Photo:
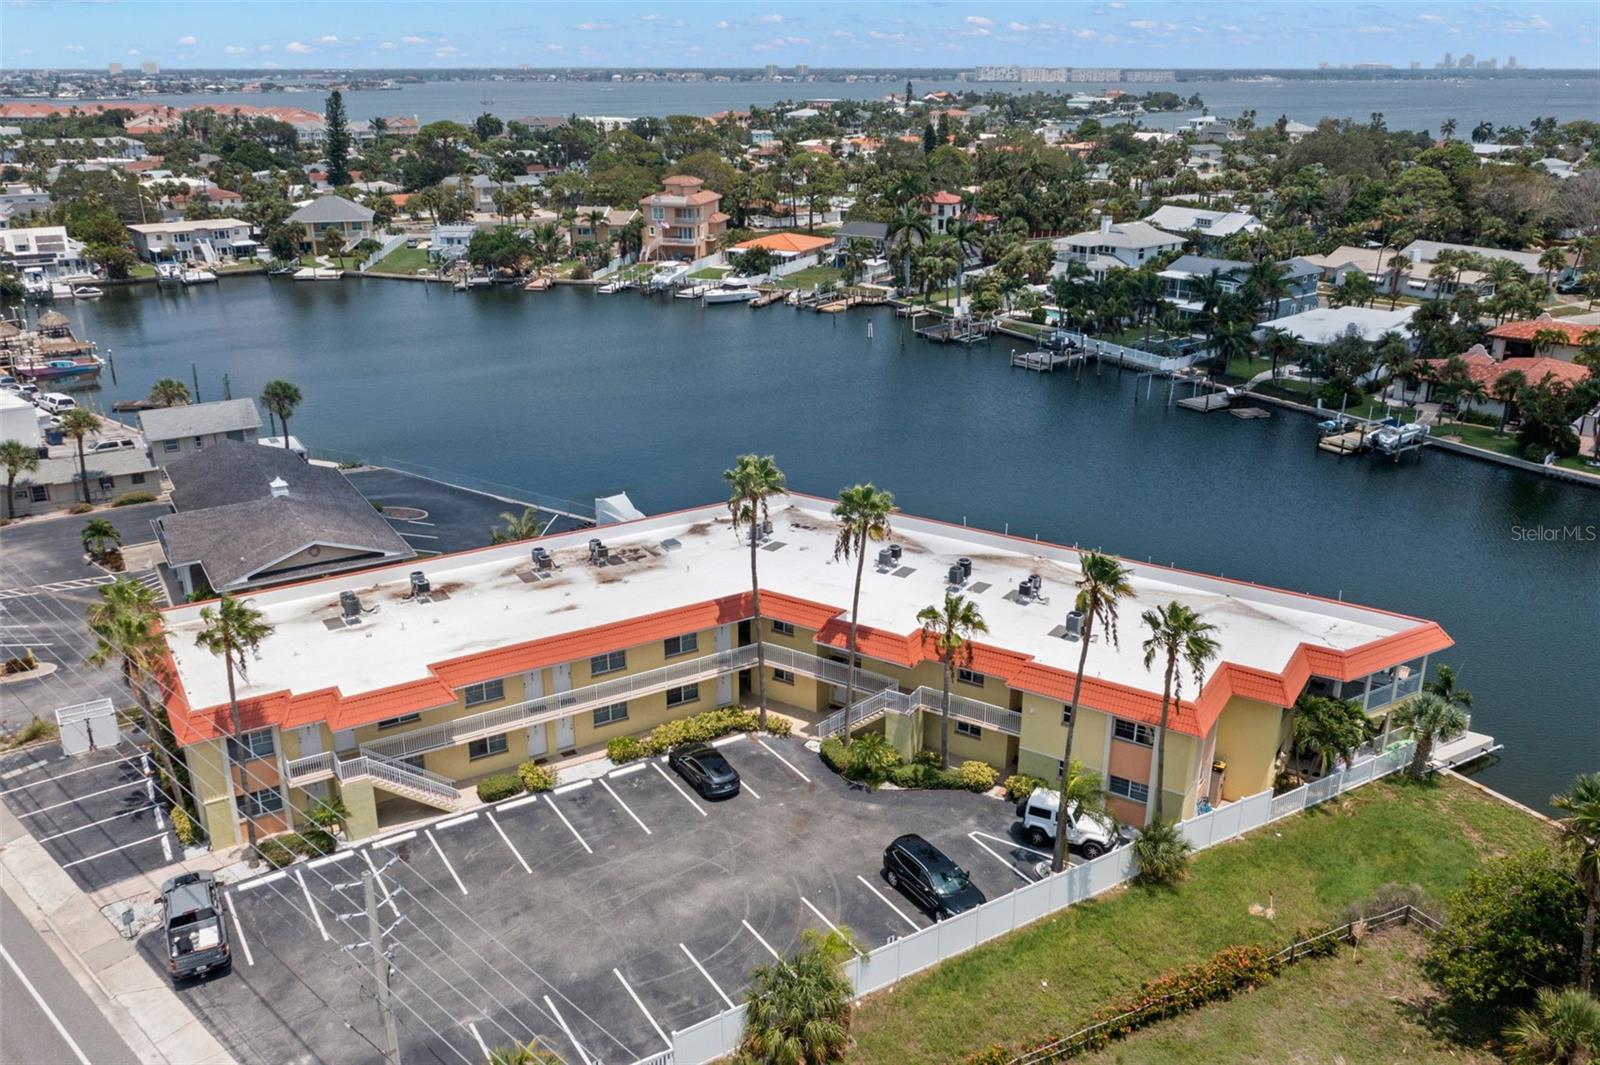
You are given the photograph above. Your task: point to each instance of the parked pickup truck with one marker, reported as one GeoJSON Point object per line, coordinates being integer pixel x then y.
{"type": "Point", "coordinates": [197, 939]}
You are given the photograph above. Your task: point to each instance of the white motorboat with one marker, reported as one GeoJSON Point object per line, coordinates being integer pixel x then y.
{"type": "Point", "coordinates": [196, 276]}
{"type": "Point", "coordinates": [611, 286]}
{"type": "Point", "coordinates": [692, 292]}
{"type": "Point", "coordinates": [732, 290]}
{"type": "Point", "coordinates": [87, 292]}
{"type": "Point", "coordinates": [168, 272]}
{"type": "Point", "coordinates": [479, 281]}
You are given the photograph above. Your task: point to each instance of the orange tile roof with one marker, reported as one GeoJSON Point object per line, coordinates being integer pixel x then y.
{"type": "Point", "coordinates": [1524, 330]}
{"type": "Point", "coordinates": [794, 243]}
{"type": "Point", "coordinates": [1487, 371]}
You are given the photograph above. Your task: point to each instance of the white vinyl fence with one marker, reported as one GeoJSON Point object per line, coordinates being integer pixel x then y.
{"type": "Point", "coordinates": [719, 1035]}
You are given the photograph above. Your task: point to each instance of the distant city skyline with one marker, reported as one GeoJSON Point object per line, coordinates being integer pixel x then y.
{"type": "Point", "coordinates": [1117, 33]}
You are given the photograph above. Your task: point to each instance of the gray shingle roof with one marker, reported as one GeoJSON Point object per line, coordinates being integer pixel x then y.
{"type": "Point", "coordinates": [865, 230]}
{"type": "Point", "coordinates": [63, 469]}
{"type": "Point", "coordinates": [229, 521]}
{"type": "Point", "coordinates": [199, 419]}
{"type": "Point", "coordinates": [332, 209]}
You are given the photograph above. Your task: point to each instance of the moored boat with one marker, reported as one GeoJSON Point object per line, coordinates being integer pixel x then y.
{"type": "Point", "coordinates": [692, 292]}
{"type": "Point", "coordinates": [732, 290]}
{"type": "Point", "coordinates": [87, 292]}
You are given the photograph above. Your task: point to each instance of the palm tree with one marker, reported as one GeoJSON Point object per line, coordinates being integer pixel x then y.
{"type": "Point", "coordinates": [281, 398]}
{"type": "Point", "coordinates": [752, 482]}
{"type": "Point", "coordinates": [1278, 345]}
{"type": "Point", "coordinates": [169, 392]}
{"type": "Point", "coordinates": [863, 512]}
{"type": "Point", "coordinates": [1561, 1028]}
{"type": "Point", "coordinates": [1552, 259]}
{"type": "Point", "coordinates": [1507, 387]}
{"type": "Point", "coordinates": [1430, 717]}
{"type": "Point", "coordinates": [967, 236]}
{"type": "Point", "coordinates": [1329, 730]}
{"type": "Point", "coordinates": [1176, 632]}
{"type": "Point", "coordinates": [513, 527]}
{"type": "Point", "coordinates": [234, 629]}
{"type": "Point", "coordinates": [798, 1009]}
{"type": "Point", "coordinates": [1545, 339]}
{"type": "Point", "coordinates": [907, 229]}
{"type": "Point", "coordinates": [1580, 837]}
{"type": "Point", "coordinates": [1103, 584]}
{"type": "Point", "coordinates": [1162, 851]}
{"type": "Point", "coordinates": [950, 629]}
{"type": "Point", "coordinates": [1447, 128]}
{"type": "Point", "coordinates": [125, 624]}
{"type": "Point", "coordinates": [16, 457]}
{"type": "Point", "coordinates": [1267, 281]}
{"type": "Point", "coordinates": [97, 534]}
{"type": "Point", "coordinates": [78, 423]}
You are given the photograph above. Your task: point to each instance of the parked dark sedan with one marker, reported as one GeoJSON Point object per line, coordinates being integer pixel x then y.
{"type": "Point", "coordinates": [703, 766]}
{"type": "Point", "coordinates": [929, 878]}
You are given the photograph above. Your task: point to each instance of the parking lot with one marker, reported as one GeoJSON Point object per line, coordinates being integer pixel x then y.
{"type": "Point", "coordinates": [597, 918]}
{"type": "Point", "coordinates": [453, 518]}
{"type": "Point", "coordinates": [99, 815]}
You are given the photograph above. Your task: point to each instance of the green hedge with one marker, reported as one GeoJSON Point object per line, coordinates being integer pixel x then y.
{"type": "Point", "coordinates": [129, 498]}
{"type": "Point", "coordinates": [698, 728]}
{"type": "Point", "coordinates": [279, 851]}
{"type": "Point", "coordinates": [537, 777]}
{"type": "Point", "coordinates": [499, 786]}
{"type": "Point", "coordinates": [1021, 784]}
{"type": "Point", "coordinates": [969, 776]}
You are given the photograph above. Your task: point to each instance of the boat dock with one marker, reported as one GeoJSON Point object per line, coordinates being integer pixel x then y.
{"type": "Point", "coordinates": [1044, 361]}
{"type": "Point", "coordinates": [1220, 399]}
{"type": "Point", "coordinates": [959, 330]}
{"type": "Point", "coordinates": [771, 295]}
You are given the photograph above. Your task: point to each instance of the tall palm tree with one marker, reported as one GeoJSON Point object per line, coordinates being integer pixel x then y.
{"type": "Point", "coordinates": [967, 235]}
{"type": "Point", "coordinates": [1177, 633]}
{"type": "Point", "coordinates": [1580, 837]}
{"type": "Point", "coordinates": [281, 398]}
{"type": "Point", "coordinates": [907, 229]}
{"type": "Point", "coordinates": [98, 535]}
{"type": "Point", "coordinates": [1102, 586]}
{"type": "Point", "coordinates": [752, 482]}
{"type": "Point", "coordinates": [16, 457]}
{"type": "Point", "coordinates": [1278, 345]}
{"type": "Point", "coordinates": [1552, 259]}
{"type": "Point", "coordinates": [78, 423]}
{"type": "Point", "coordinates": [125, 624]}
{"type": "Point", "coordinates": [513, 527]}
{"type": "Point", "coordinates": [169, 392]}
{"type": "Point", "coordinates": [234, 629]}
{"type": "Point", "coordinates": [1268, 282]}
{"type": "Point", "coordinates": [1429, 716]}
{"type": "Point", "coordinates": [950, 627]}
{"type": "Point", "coordinates": [863, 512]}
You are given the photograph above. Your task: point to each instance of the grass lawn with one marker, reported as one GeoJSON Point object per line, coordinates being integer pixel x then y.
{"type": "Point", "coordinates": [1301, 391]}
{"type": "Point", "coordinates": [1244, 369]}
{"type": "Point", "coordinates": [811, 275]}
{"type": "Point", "coordinates": [1360, 1007]}
{"type": "Point", "coordinates": [1484, 436]}
{"type": "Point", "coordinates": [142, 270]}
{"type": "Point", "coordinates": [711, 273]}
{"type": "Point", "coordinates": [1055, 973]}
{"type": "Point", "coordinates": [403, 260]}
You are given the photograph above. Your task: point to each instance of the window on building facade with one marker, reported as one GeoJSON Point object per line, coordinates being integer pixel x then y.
{"type": "Point", "coordinates": [966, 728]}
{"type": "Point", "coordinates": [40, 493]}
{"type": "Point", "coordinates": [403, 719]}
{"type": "Point", "coordinates": [686, 644]}
{"type": "Point", "coordinates": [689, 693]}
{"type": "Point", "coordinates": [611, 662]}
{"type": "Point", "coordinates": [488, 692]}
{"type": "Point", "coordinates": [782, 628]}
{"type": "Point", "coordinates": [169, 446]}
{"type": "Point", "coordinates": [970, 676]}
{"type": "Point", "coordinates": [260, 803]}
{"type": "Point", "coordinates": [1066, 714]}
{"type": "Point", "coordinates": [138, 478]}
{"type": "Point", "coordinates": [1128, 789]}
{"type": "Point", "coordinates": [1133, 732]}
{"type": "Point", "coordinates": [251, 745]}
{"type": "Point", "coordinates": [610, 715]}
{"type": "Point", "coordinates": [486, 747]}
{"type": "Point", "coordinates": [108, 484]}
{"type": "Point", "coordinates": [782, 676]}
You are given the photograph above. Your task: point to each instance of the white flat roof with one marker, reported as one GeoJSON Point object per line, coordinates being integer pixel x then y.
{"type": "Point", "coordinates": [1324, 324]}
{"type": "Point", "coordinates": [692, 557]}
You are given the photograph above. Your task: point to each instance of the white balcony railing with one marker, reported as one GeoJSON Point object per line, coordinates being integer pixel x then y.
{"type": "Point", "coordinates": [397, 775]}
{"type": "Point", "coordinates": [973, 711]}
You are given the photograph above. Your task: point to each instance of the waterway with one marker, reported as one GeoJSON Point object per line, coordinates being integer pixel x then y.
{"type": "Point", "coordinates": [1407, 103]}
{"type": "Point", "coordinates": [576, 394]}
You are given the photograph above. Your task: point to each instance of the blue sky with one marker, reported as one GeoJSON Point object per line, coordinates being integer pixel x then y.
{"type": "Point", "coordinates": [44, 33]}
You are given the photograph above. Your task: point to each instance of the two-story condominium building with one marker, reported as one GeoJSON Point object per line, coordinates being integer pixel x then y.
{"type": "Point", "coordinates": [683, 221]}
{"type": "Point", "coordinates": [174, 432]}
{"type": "Point", "coordinates": [1183, 280]}
{"type": "Point", "coordinates": [416, 679]}
{"type": "Point", "coordinates": [332, 214]}
{"type": "Point", "coordinates": [1214, 228]}
{"type": "Point", "coordinates": [43, 251]}
{"type": "Point", "coordinates": [210, 240]}
{"type": "Point", "coordinates": [1115, 245]}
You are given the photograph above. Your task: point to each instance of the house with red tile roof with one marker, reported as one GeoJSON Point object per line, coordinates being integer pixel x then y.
{"type": "Point", "coordinates": [684, 221]}
{"type": "Point", "coordinates": [415, 680]}
{"type": "Point", "coordinates": [1517, 338]}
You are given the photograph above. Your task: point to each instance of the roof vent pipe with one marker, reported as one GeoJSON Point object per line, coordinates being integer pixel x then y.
{"type": "Point", "coordinates": [279, 487]}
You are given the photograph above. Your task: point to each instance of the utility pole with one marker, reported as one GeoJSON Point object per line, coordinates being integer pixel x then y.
{"type": "Point", "coordinates": [380, 970]}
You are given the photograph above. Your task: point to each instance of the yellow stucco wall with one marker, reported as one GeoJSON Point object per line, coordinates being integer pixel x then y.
{"type": "Point", "coordinates": [1044, 738]}
{"type": "Point", "coordinates": [994, 746]}
{"type": "Point", "coordinates": [1248, 735]}
{"type": "Point", "coordinates": [208, 770]}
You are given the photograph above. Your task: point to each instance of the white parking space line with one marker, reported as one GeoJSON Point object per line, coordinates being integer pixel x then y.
{"type": "Point", "coordinates": [574, 786]}
{"type": "Point", "coordinates": [744, 785]}
{"type": "Point", "coordinates": [262, 881]}
{"type": "Point", "coordinates": [785, 761]}
{"type": "Point", "coordinates": [71, 773]}
{"type": "Point", "coordinates": [445, 859]}
{"type": "Point", "coordinates": [382, 885]}
{"type": "Point", "coordinates": [103, 820]}
{"type": "Point", "coordinates": [997, 856]}
{"type": "Point", "coordinates": [636, 1002]}
{"type": "Point", "coordinates": [44, 1007]}
{"type": "Point", "coordinates": [113, 850]}
{"type": "Point", "coordinates": [312, 904]}
{"type": "Point", "coordinates": [627, 809]}
{"type": "Point", "coordinates": [581, 841]}
{"type": "Point", "coordinates": [679, 790]}
{"type": "Point", "coordinates": [763, 942]}
{"type": "Point", "coordinates": [714, 986]}
{"type": "Point", "coordinates": [390, 841]}
{"type": "Point", "coordinates": [524, 801]}
{"type": "Point", "coordinates": [724, 741]}
{"type": "Point", "coordinates": [336, 856]}
{"type": "Point", "coordinates": [473, 1028]}
{"type": "Point", "coordinates": [454, 821]}
{"type": "Point", "coordinates": [821, 916]}
{"type": "Point", "coordinates": [238, 931]}
{"type": "Point", "coordinates": [562, 1021]}
{"type": "Point", "coordinates": [509, 846]}
{"type": "Point", "coordinates": [637, 767]}
{"type": "Point", "coordinates": [915, 927]}
{"type": "Point", "coordinates": [77, 799]}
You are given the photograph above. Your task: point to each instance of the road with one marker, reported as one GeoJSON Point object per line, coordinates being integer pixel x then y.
{"type": "Point", "coordinates": [33, 981]}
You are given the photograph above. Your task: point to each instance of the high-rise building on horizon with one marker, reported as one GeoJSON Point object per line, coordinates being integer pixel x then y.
{"type": "Point", "coordinates": [149, 66]}
{"type": "Point", "coordinates": [1446, 63]}
{"type": "Point", "coordinates": [801, 70]}
{"type": "Point", "coordinates": [114, 69]}
{"type": "Point", "coordinates": [1511, 63]}
{"type": "Point", "coordinates": [1467, 61]}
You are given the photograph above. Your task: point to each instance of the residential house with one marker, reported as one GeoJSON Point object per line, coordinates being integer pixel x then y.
{"type": "Point", "coordinates": [19, 200]}
{"type": "Point", "coordinates": [1205, 160]}
{"type": "Point", "coordinates": [1416, 263]}
{"type": "Point", "coordinates": [211, 240]}
{"type": "Point", "coordinates": [474, 671]}
{"type": "Point", "coordinates": [943, 209]}
{"type": "Point", "coordinates": [1422, 385]}
{"type": "Point", "coordinates": [875, 233]}
{"type": "Point", "coordinates": [1319, 326]}
{"type": "Point", "coordinates": [249, 516]}
{"type": "Point", "coordinates": [482, 188]}
{"type": "Point", "coordinates": [333, 214]}
{"type": "Point", "coordinates": [57, 484]}
{"type": "Point", "coordinates": [790, 251]}
{"type": "Point", "coordinates": [1514, 339]}
{"type": "Point", "coordinates": [604, 230]}
{"type": "Point", "coordinates": [684, 221]}
{"type": "Point", "coordinates": [1214, 227]}
{"type": "Point", "coordinates": [43, 252]}
{"type": "Point", "coordinates": [1115, 245]}
{"type": "Point", "coordinates": [174, 432]}
{"type": "Point", "coordinates": [449, 242]}
{"type": "Point", "coordinates": [1182, 276]}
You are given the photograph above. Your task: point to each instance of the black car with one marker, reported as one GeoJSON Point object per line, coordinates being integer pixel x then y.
{"type": "Point", "coordinates": [703, 766]}
{"type": "Point", "coordinates": [196, 937]}
{"type": "Point", "coordinates": [929, 878]}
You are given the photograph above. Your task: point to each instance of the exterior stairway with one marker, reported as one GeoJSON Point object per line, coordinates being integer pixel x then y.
{"type": "Point", "coordinates": [390, 774]}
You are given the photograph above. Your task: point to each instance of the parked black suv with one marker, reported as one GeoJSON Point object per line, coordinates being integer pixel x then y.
{"type": "Point", "coordinates": [929, 878]}
{"type": "Point", "coordinates": [703, 766]}
{"type": "Point", "coordinates": [197, 939]}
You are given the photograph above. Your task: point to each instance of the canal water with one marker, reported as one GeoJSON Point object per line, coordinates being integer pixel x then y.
{"type": "Point", "coordinates": [576, 394]}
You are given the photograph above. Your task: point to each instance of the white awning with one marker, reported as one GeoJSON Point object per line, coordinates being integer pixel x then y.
{"type": "Point", "coordinates": [609, 510]}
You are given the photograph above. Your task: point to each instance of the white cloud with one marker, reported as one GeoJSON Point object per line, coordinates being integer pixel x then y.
{"type": "Point", "coordinates": [234, 49]}
{"type": "Point", "coordinates": [978, 20]}
{"type": "Point", "coordinates": [264, 48]}
{"type": "Point", "coordinates": [188, 39]}
{"type": "Point", "coordinates": [24, 51]}
{"type": "Point", "coordinates": [1117, 6]}
{"type": "Point", "coordinates": [413, 39]}
{"type": "Point", "coordinates": [724, 24]}
{"type": "Point", "coordinates": [880, 35]}
{"type": "Point", "coordinates": [133, 51]}
{"type": "Point", "coordinates": [446, 52]}
{"type": "Point", "coordinates": [1017, 27]}
{"type": "Point", "coordinates": [1374, 28]}
{"type": "Point", "coordinates": [73, 48]}
{"type": "Point", "coordinates": [1085, 34]}
{"type": "Point", "coordinates": [770, 18]}
{"type": "Point", "coordinates": [1141, 24]}
{"type": "Point", "coordinates": [328, 39]}
{"type": "Point", "coordinates": [299, 48]}
{"type": "Point", "coordinates": [595, 27]}
{"type": "Point", "coordinates": [1432, 20]}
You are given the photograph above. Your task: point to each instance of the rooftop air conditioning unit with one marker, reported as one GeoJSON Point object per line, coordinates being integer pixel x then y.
{"type": "Point", "coordinates": [886, 558]}
{"type": "Point", "coordinates": [350, 605]}
{"type": "Point", "coordinates": [419, 584]}
{"type": "Point", "coordinates": [894, 551]}
{"type": "Point", "coordinates": [1074, 623]}
{"type": "Point", "coordinates": [766, 529]}
{"type": "Point", "coordinates": [542, 559]}
{"type": "Point", "coordinates": [956, 576]}
{"type": "Point", "coordinates": [597, 551]}
{"type": "Point", "coordinates": [1025, 589]}
{"type": "Point", "coordinates": [966, 567]}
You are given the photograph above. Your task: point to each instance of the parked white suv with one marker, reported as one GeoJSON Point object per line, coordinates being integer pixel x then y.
{"type": "Point", "coordinates": [1092, 834]}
